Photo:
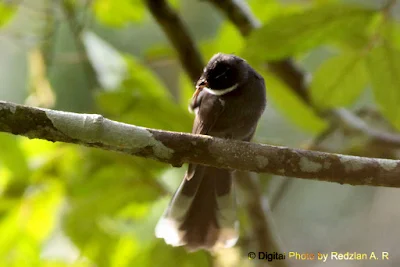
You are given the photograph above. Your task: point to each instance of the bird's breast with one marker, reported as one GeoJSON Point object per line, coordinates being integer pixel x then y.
{"type": "Point", "coordinates": [239, 117]}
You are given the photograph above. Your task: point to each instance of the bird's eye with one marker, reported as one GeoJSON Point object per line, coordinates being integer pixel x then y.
{"type": "Point", "coordinates": [222, 75]}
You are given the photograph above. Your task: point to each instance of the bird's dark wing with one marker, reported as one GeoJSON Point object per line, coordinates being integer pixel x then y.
{"type": "Point", "coordinates": [209, 108]}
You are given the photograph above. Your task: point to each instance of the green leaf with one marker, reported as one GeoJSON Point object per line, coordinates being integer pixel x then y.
{"type": "Point", "coordinates": [42, 205]}
{"type": "Point", "coordinates": [384, 70]}
{"type": "Point", "coordinates": [143, 100]}
{"type": "Point", "coordinates": [71, 80]}
{"type": "Point", "coordinates": [105, 192]}
{"type": "Point", "coordinates": [292, 107]}
{"type": "Point", "coordinates": [265, 10]}
{"type": "Point", "coordinates": [125, 250]}
{"type": "Point", "coordinates": [7, 10]}
{"type": "Point", "coordinates": [61, 263]}
{"type": "Point", "coordinates": [390, 30]}
{"type": "Point", "coordinates": [30, 223]}
{"type": "Point", "coordinates": [295, 33]}
{"type": "Point", "coordinates": [13, 157]}
{"type": "Point", "coordinates": [229, 39]}
{"type": "Point", "coordinates": [339, 80]}
{"type": "Point", "coordinates": [118, 13]}
{"type": "Point", "coordinates": [137, 220]}
{"type": "Point", "coordinates": [158, 52]}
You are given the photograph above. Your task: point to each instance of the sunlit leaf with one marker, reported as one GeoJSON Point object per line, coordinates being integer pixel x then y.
{"type": "Point", "coordinates": [229, 40]}
{"type": "Point", "coordinates": [159, 51]}
{"type": "Point", "coordinates": [27, 226]}
{"type": "Point", "coordinates": [118, 13]}
{"type": "Point", "coordinates": [339, 80]}
{"type": "Point", "coordinates": [25, 252]}
{"type": "Point", "coordinates": [12, 156]}
{"type": "Point", "coordinates": [138, 220]}
{"type": "Point", "coordinates": [208, 49]}
{"type": "Point", "coordinates": [39, 210]}
{"type": "Point", "coordinates": [62, 263]}
{"type": "Point", "coordinates": [7, 10]}
{"type": "Point", "coordinates": [292, 107]}
{"type": "Point", "coordinates": [175, 3]}
{"type": "Point", "coordinates": [97, 199]}
{"type": "Point", "coordinates": [390, 30]}
{"type": "Point", "coordinates": [125, 250]}
{"type": "Point", "coordinates": [9, 232]}
{"type": "Point", "coordinates": [265, 10]}
{"type": "Point", "coordinates": [291, 34]}
{"type": "Point", "coordinates": [37, 147]}
{"type": "Point", "coordinates": [384, 70]}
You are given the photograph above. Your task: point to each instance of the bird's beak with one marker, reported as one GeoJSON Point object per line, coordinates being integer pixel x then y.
{"type": "Point", "coordinates": [199, 87]}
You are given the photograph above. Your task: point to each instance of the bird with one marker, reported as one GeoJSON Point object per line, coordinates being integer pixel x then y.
{"type": "Point", "coordinates": [229, 100]}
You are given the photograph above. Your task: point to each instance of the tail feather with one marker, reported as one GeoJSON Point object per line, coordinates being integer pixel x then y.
{"type": "Point", "coordinates": [202, 212]}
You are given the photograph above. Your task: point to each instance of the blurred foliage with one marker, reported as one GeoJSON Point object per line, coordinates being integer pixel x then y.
{"type": "Point", "coordinates": [65, 205]}
{"type": "Point", "coordinates": [384, 66]}
{"type": "Point", "coordinates": [6, 12]}
{"type": "Point", "coordinates": [339, 81]}
{"type": "Point", "coordinates": [118, 13]}
{"type": "Point", "coordinates": [300, 113]}
{"type": "Point", "coordinates": [291, 34]}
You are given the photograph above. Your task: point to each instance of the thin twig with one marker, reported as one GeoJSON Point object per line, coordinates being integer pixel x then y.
{"type": "Point", "coordinates": [179, 36]}
{"type": "Point", "coordinates": [348, 119]}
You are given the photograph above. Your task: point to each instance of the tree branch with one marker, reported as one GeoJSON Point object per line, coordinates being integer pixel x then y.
{"type": "Point", "coordinates": [239, 13]}
{"type": "Point", "coordinates": [352, 121]}
{"type": "Point", "coordinates": [179, 36]}
{"type": "Point", "coordinates": [177, 148]}
{"type": "Point", "coordinates": [263, 229]}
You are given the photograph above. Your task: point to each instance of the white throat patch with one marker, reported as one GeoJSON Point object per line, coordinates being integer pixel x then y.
{"type": "Point", "coordinates": [221, 92]}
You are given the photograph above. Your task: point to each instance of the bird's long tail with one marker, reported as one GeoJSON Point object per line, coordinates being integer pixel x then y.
{"type": "Point", "coordinates": [202, 212]}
